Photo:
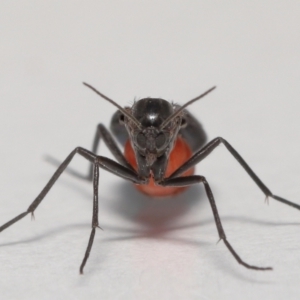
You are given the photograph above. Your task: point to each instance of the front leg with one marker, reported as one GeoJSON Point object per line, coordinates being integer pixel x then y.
{"type": "Point", "coordinates": [206, 150]}
{"type": "Point", "coordinates": [190, 180]}
{"type": "Point", "coordinates": [83, 152]}
{"type": "Point", "coordinates": [98, 162]}
{"type": "Point", "coordinates": [110, 143]}
{"type": "Point", "coordinates": [101, 132]}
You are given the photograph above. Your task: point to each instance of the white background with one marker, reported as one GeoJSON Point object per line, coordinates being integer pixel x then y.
{"type": "Point", "coordinates": [149, 249]}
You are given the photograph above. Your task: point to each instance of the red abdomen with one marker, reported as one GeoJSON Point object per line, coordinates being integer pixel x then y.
{"type": "Point", "coordinates": [180, 154]}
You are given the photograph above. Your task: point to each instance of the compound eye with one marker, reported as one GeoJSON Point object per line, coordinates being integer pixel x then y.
{"type": "Point", "coordinates": [141, 140]}
{"type": "Point", "coordinates": [121, 119]}
{"type": "Point", "coordinates": [183, 123]}
{"type": "Point", "coordinates": [160, 140]}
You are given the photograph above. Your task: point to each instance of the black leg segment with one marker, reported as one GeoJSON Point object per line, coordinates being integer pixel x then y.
{"type": "Point", "coordinates": [101, 133]}
{"type": "Point", "coordinates": [97, 162]}
{"type": "Point", "coordinates": [189, 180]}
{"type": "Point", "coordinates": [206, 150]}
{"type": "Point", "coordinates": [110, 143]}
{"type": "Point", "coordinates": [83, 152]}
{"type": "Point", "coordinates": [95, 223]}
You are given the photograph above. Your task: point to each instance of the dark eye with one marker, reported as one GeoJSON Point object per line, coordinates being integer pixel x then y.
{"type": "Point", "coordinates": [121, 119]}
{"type": "Point", "coordinates": [160, 140]}
{"type": "Point", "coordinates": [141, 140]}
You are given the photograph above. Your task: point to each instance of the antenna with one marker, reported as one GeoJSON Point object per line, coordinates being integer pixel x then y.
{"type": "Point", "coordinates": [129, 116]}
{"type": "Point", "coordinates": [177, 112]}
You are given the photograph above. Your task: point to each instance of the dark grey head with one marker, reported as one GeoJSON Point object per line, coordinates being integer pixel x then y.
{"type": "Point", "coordinates": [150, 140]}
{"type": "Point", "coordinates": [152, 125]}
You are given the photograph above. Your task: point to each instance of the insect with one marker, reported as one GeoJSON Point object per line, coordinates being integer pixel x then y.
{"type": "Point", "coordinates": [163, 143]}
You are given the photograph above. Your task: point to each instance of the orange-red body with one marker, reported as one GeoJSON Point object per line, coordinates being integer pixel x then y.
{"type": "Point", "coordinates": [180, 154]}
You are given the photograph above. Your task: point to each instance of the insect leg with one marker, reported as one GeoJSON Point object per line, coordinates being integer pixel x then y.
{"type": "Point", "coordinates": [103, 133]}
{"type": "Point", "coordinates": [95, 223]}
{"type": "Point", "coordinates": [207, 149]}
{"type": "Point", "coordinates": [117, 169]}
{"type": "Point", "coordinates": [83, 152]}
{"type": "Point", "coordinates": [110, 143]}
{"type": "Point", "coordinates": [189, 180]}
{"type": "Point", "coordinates": [97, 161]}
{"type": "Point", "coordinates": [103, 162]}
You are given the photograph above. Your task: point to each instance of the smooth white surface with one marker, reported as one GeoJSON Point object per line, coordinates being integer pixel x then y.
{"type": "Point", "coordinates": [149, 249]}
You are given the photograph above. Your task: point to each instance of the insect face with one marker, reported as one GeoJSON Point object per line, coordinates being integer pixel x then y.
{"type": "Point", "coordinates": [150, 141]}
